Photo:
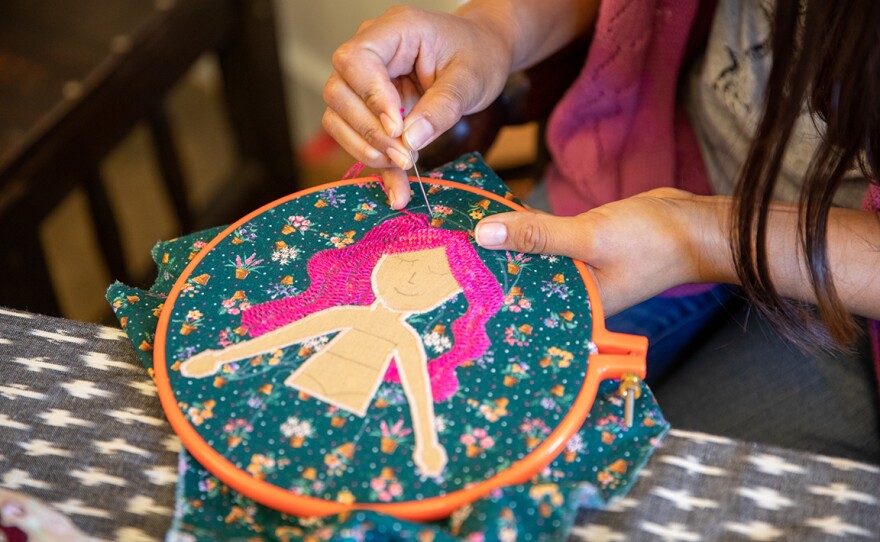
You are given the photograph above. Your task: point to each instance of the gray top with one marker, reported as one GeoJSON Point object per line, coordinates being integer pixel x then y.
{"type": "Point", "coordinates": [723, 96]}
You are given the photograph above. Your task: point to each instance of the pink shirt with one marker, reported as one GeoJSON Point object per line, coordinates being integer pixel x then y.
{"type": "Point", "coordinates": [619, 130]}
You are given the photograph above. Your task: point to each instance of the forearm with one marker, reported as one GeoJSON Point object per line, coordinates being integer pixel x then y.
{"type": "Point", "coordinates": [853, 252]}
{"type": "Point", "coordinates": [533, 29]}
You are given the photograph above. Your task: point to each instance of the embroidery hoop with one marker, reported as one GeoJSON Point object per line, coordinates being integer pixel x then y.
{"type": "Point", "coordinates": [618, 355]}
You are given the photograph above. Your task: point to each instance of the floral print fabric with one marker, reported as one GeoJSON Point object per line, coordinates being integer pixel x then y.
{"type": "Point", "coordinates": [509, 399]}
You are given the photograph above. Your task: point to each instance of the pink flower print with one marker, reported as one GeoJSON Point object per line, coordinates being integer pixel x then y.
{"type": "Point", "coordinates": [534, 427]}
{"type": "Point", "coordinates": [243, 266]}
{"type": "Point", "coordinates": [515, 337]}
{"type": "Point", "coordinates": [395, 431]}
{"type": "Point", "coordinates": [519, 258]}
{"type": "Point", "coordinates": [251, 262]}
{"type": "Point", "coordinates": [525, 303]}
{"type": "Point", "coordinates": [224, 338]}
{"type": "Point", "coordinates": [476, 441]}
{"type": "Point", "coordinates": [296, 223]}
{"type": "Point", "coordinates": [386, 488]}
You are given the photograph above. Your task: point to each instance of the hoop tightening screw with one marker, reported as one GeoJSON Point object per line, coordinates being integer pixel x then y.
{"type": "Point", "coordinates": [630, 389]}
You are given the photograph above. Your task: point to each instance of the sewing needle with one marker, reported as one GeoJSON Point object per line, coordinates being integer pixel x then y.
{"type": "Point", "coordinates": [421, 185]}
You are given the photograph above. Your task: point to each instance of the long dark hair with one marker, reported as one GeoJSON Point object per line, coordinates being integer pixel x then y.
{"type": "Point", "coordinates": [826, 57]}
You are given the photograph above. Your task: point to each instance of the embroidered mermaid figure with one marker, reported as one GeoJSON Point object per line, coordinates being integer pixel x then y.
{"type": "Point", "coordinates": [366, 292]}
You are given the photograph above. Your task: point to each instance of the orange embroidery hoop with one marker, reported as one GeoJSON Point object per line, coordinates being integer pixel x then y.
{"type": "Point", "coordinates": [618, 355]}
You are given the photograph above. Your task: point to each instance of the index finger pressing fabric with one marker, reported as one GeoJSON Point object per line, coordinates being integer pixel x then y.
{"type": "Point", "coordinates": [326, 352]}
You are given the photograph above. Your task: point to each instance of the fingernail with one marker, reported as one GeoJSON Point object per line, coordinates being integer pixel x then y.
{"type": "Point", "coordinates": [418, 133]}
{"type": "Point", "coordinates": [391, 127]}
{"type": "Point", "coordinates": [398, 158]}
{"type": "Point", "coordinates": [491, 234]}
{"type": "Point", "coordinates": [390, 193]}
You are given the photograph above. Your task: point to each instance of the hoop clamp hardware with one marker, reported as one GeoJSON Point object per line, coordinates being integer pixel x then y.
{"type": "Point", "coordinates": [630, 389]}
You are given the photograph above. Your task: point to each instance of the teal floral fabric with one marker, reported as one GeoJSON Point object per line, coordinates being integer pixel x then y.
{"type": "Point", "coordinates": [508, 400]}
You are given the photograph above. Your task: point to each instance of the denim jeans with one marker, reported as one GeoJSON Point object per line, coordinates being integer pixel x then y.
{"type": "Point", "coordinates": [673, 325]}
{"type": "Point", "coordinates": [716, 366]}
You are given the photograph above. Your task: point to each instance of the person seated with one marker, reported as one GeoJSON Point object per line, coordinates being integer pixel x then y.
{"type": "Point", "coordinates": [741, 168]}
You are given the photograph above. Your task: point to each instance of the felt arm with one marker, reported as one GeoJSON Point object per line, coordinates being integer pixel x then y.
{"type": "Point", "coordinates": [413, 368]}
{"type": "Point", "coordinates": [315, 325]}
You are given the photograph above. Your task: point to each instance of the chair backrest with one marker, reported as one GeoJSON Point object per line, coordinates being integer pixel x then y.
{"type": "Point", "coordinates": [115, 62]}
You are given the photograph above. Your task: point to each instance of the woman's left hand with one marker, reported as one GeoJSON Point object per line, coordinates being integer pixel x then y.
{"type": "Point", "coordinates": [636, 247]}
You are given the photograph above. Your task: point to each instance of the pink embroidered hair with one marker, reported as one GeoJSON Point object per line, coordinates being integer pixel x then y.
{"type": "Point", "coordinates": [343, 277]}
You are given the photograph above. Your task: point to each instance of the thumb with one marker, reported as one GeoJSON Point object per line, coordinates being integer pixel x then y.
{"type": "Point", "coordinates": [531, 232]}
{"type": "Point", "coordinates": [441, 106]}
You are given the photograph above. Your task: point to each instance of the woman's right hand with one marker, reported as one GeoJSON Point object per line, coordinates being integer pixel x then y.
{"type": "Point", "coordinates": [434, 66]}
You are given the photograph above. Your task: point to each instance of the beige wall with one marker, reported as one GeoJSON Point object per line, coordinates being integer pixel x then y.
{"type": "Point", "coordinates": [309, 32]}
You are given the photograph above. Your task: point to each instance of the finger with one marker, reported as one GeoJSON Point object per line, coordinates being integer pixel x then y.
{"type": "Point", "coordinates": [409, 91]}
{"type": "Point", "coordinates": [437, 111]}
{"type": "Point", "coordinates": [346, 104]}
{"type": "Point", "coordinates": [442, 105]}
{"type": "Point", "coordinates": [527, 231]}
{"type": "Point", "coordinates": [397, 187]}
{"type": "Point", "coordinates": [352, 142]}
{"type": "Point", "coordinates": [363, 64]}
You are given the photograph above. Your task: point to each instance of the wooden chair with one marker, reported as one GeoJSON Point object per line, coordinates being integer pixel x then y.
{"type": "Point", "coordinates": [76, 77]}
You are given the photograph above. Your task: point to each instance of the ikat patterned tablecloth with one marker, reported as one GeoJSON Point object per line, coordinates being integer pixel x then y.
{"type": "Point", "coordinates": [82, 431]}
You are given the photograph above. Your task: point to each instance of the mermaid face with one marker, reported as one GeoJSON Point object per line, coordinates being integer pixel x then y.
{"type": "Point", "coordinates": [415, 281]}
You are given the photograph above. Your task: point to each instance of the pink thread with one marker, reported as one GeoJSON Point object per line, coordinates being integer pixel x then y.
{"type": "Point", "coordinates": [354, 171]}
{"type": "Point", "coordinates": [385, 190]}
{"type": "Point", "coordinates": [342, 277]}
